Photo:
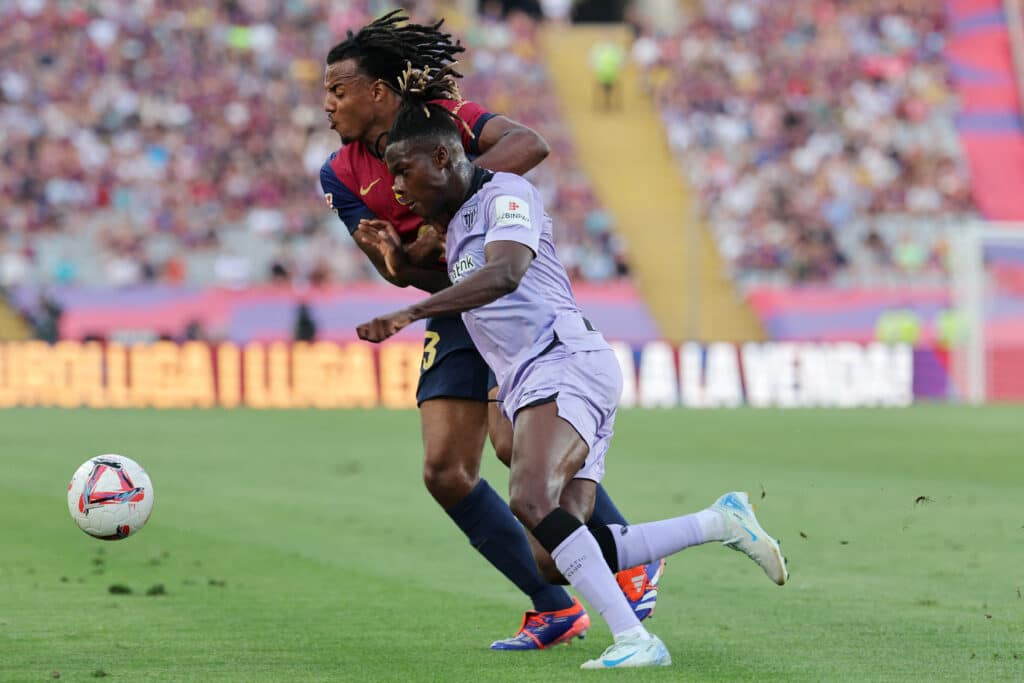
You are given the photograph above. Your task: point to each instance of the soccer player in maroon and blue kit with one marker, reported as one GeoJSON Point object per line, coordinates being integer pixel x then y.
{"type": "Point", "coordinates": [362, 81]}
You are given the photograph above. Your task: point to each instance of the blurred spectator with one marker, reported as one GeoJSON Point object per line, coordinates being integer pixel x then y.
{"type": "Point", "coordinates": [305, 325]}
{"type": "Point", "coordinates": [556, 11]}
{"type": "Point", "coordinates": [181, 142]}
{"type": "Point", "coordinates": [45, 319]}
{"type": "Point", "coordinates": [194, 331]}
{"type": "Point", "coordinates": [819, 136]}
{"type": "Point", "coordinates": [607, 58]}
{"type": "Point", "coordinates": [279, 271]}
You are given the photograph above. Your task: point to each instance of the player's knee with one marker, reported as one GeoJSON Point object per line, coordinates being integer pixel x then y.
{"type": "Point", "coordinates": [530, 504]}
{"type": "Point", "coordinates": [448, 483]}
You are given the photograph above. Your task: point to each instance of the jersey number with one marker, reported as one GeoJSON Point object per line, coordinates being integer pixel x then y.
{"type": "Point", "coordinates": [430, 349]}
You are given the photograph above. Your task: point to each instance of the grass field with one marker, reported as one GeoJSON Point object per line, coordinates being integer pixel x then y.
{"type": "Point", "coordinates": [302, 546]}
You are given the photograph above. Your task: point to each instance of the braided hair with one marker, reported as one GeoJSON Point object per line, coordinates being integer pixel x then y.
{"type": "Point", "coordinates": [419, 116]}
{"type": "Point", "coordinates": [383, 48]}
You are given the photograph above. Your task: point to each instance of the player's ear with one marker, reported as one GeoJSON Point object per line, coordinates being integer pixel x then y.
{"type": "Point", "coordinates": [442, 157]}
{"type": "Point", "coordinates": [378, 90]}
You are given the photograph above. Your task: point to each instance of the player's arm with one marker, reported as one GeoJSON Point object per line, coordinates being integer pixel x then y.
{"type": "Point", "coordinates": [497, 142]}
{"type": "Point", "coordinates": [507, 145]}
{"type": "Point", "coordinates": [507, 262]}
{"type": "Point", "coordinates": [353, 213]}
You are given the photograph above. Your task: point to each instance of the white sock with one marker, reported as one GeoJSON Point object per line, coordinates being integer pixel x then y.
{"type": "Point", "coordinates": [642, 543]}
{"type": "Point", "coordinates": [712, 525]}
{"type": "Point", "coordinates": [579, 559]}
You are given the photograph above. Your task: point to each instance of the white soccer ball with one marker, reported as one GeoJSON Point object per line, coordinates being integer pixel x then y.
{"type": "Point", "coordinates": [110, 497]}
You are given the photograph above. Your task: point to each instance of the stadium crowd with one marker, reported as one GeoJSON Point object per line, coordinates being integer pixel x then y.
{"type": "Point", "coordinates": [819, 135]}
{"type": "Point", "coordinates": [180, 143]}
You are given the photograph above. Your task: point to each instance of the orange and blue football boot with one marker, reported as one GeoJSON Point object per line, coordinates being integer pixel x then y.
{"type": "Point", "coordinates": [541, 630]}
{"type": "Point", "coordinates": [640, 586]}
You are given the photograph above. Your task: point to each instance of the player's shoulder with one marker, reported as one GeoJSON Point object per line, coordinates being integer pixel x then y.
{"type": "Point", "coordinates": [345, 157]}
{"type": "Point", "coordinates": [328, 165]}
{"type": "Point", "coordinates": [333, 176]}
{"type": "Point", "coordinates": [350, 164]}
{"type": "Point", "coordinates": [509, 184]}
{"type": "Point", "coordinates": [510, 200]}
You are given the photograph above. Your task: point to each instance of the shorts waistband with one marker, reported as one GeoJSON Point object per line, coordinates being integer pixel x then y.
{"type": "Point", "coordinates": [556, 341]}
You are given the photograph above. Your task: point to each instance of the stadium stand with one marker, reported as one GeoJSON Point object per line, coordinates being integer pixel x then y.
{"type": "Point", "coordinates": [180, 144]}
{"type": "Point", "coordinates": [851, 103]}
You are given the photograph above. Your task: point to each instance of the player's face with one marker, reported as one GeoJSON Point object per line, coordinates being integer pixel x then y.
{"type": "Point", "coordinates": [348, 100]}
{"type": "Point", "coordinates": [421, 175]}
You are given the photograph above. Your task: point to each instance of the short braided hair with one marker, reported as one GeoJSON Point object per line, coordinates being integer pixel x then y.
{"type": "Point", "coordinates": [419, 116]}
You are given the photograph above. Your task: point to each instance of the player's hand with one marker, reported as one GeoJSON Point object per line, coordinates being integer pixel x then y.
{"type": "Point", "coordinates": [366, 238]}
{"type": "Point", "coordinates": [429, 247]}
{"type": "Point", "coordinates": [386, 240]}
{"type": "Point", "coordinates": [379, 329]}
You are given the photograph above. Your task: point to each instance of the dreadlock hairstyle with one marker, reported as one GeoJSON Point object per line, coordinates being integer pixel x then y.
{"type": "Point", "coordinates": [419, 116]}
{"type": "Point", "coordinates": [383, 48]}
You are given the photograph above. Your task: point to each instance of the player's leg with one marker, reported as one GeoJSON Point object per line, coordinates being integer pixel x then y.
{"type": "Point", "coordinates": [500, 430]}
{"type": "Point", "coordinates": [499, 427]}
{"type": "Point", "coordinates": [453, 409]}
{"type": "Point", "coordinates": [551, 621]}
{"type": "Point", "coordinates": [729, 520]}
{"type": "Point", "coordinates": [548, 454]}
{"type": "Point", "coordinates": [639, 584]}
{"type": "Point", "coordinates": [453, 435]}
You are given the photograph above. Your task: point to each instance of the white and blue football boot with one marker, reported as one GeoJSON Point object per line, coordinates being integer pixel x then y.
{"type": "Point", "coordinates": [632, 653]}
{"type": "Point", "coordinates": [747, 536]}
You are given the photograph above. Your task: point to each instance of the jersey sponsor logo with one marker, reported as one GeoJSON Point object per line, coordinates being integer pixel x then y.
{"type": "Point", "coordinates": [511, 210]}
{"type": "Point", "coordinates": [363, 191]}
{"type": "Point", "coordinates": [461, 268]}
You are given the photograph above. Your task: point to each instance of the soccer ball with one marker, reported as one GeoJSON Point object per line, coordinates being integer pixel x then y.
{"type": "Point", "coordinates": [110, 497]}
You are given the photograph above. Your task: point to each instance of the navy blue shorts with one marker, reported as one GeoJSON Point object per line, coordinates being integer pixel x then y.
{"type": "Point", "coordinates": [452, 367]}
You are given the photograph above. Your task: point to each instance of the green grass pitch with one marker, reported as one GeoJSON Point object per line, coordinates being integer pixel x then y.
{"type": "Point", "coordinates": [303, 546]}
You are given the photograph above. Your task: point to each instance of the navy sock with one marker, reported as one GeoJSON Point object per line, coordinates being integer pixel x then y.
{"type": "Point", "coordinates": [605, 512]}
{"type": "Point", "coordinates": [497, 535]}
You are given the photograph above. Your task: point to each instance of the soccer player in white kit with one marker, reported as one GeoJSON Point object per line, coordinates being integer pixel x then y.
{"type": "Point", "coordinates": [559, 380]}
